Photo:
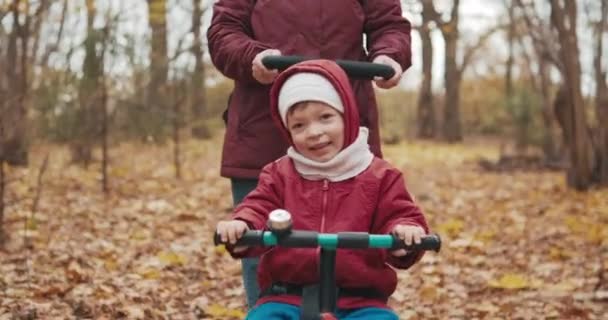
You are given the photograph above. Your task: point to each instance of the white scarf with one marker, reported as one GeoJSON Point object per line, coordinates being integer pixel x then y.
{"type": "Point", "coordinates": [348, 163]}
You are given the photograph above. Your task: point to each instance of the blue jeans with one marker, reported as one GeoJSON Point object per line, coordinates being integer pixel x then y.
{"type": "Point", "coordinates": [283, 311]}
{"type": "Point", "coordinates": [240, 189]}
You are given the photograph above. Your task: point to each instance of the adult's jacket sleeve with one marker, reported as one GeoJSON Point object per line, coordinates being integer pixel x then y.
{"type": "Point", "coordinates": [395, 207]}
{"type": "Point", "coordinates": [387, 31]}
{"type": "Point", "coordinates": [230, 37]}
{"type": "Point", "coordinates": [257, 205]}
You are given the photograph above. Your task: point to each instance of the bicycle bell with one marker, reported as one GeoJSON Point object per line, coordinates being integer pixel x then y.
{"type": "Point", "coordinates": [279, 221]}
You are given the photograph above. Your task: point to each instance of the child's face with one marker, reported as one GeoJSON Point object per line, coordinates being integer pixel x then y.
{"type": "Point", "coordinates": [316, 129]}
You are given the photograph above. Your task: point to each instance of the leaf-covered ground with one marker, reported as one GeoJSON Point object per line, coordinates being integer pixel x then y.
{"type": "Point", "coordinates": [516, 246]}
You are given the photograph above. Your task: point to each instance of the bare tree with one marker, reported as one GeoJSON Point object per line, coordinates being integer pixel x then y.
{"type": "Point", "coordinates": [89, 93]}
{"type": "Point", "coordinates": [156, 91]}
{"type": "Point", "coordinates": [452, 130]}
{"type": "Point", "coordinates": [573, 119]}
{"type": "Point", "coordinates": [14, 110]}
{"type": "Point", "coordinates": [199, 128]}
{"type": "Point", "coordinates": [545, 49]}
{"type": "Point", "coordinates": [426, 109]}
{"type": "Point", "coordinates": [2, 201]}
{"type": "Point", "coordinates": [601, 96]}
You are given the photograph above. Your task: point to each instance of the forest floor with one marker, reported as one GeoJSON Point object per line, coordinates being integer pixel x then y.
{"type": "Point", "coordinates": [517, 244]}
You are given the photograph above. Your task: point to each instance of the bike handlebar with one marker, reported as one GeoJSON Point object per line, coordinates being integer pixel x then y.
{"type": "Point", "coordinates": [354, 69]}
{"type": "Point", "coordinates": [351, 240]}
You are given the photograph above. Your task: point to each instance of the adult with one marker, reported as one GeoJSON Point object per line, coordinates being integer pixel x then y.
{"type": "Point", "coordinates": [242, 32]}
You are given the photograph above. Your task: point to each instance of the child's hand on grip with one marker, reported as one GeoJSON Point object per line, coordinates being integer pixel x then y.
{"type": "Point", "coordinates": [408, 234]}
{"type": "Point", "coordinates": [231, 231]}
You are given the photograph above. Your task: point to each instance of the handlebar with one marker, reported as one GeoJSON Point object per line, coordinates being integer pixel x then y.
{"type": "Point", "coordinates": [354, 69]}
{"type": "Point", "coordinates": [352, 240]}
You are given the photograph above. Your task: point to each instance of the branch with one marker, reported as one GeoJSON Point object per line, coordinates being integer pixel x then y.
{"type": "Point", "coordinates": [55, 46]}
{"type": "Point", "coordinates": [179, 50]}
{"type": "Point", "coordinates": [470, 51]}
{"type": "Point", "coordinates": [541, 39]}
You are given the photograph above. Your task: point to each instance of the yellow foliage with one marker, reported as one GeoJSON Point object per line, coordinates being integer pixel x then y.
{"type": "Point", "coordinates": [217, 310]}
{"type": "Point", "coordinates": [110, 264]}
{"type": "Point", "coordinates": [510, 281]}
{"type": "Point", "coordinates": [172, 258]}
{"type": "Point", "coordinates": [31, 223]}
{"type": "Point", "coordinates": [221, 250]}
{"type": "Point", "coordinates": [559, 254]}
{"type": "Point", "coordinates": [452, 227]}
{"type": "Point", "coordinates": [149, 273]}
{"type": "Point", "coordinates": [485, 236]}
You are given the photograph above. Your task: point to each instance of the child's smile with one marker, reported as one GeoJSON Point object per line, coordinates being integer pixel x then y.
{"type": "Point", "coordinates": [316, 129]}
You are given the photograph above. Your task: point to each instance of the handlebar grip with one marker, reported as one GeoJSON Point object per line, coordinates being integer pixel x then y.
{"type": "Point", "coordinates": [281, 62]}
{"type": "Point", "coordinates": [354, 69]}
{"type": "Point", "coordinates": [428, 242]}
{"type": "Point", "coordinates": [249, 238]}
{"type": "Point", "coordinates": [366, 70]}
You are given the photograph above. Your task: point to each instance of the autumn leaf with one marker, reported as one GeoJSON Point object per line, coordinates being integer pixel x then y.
{"type": "Point", "coordinates": [171, 258]}
{"type": "Point", "coordinates": [510, 281]}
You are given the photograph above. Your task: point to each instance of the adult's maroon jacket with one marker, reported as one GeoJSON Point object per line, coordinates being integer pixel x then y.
{"type": "Point", "coordinates": [240, 29]}
{"type": "Point", "coordinates": [374, 201]}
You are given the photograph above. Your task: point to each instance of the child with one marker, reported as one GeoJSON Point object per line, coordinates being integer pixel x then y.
{"type": "Point", "coordinates": [330, 182]}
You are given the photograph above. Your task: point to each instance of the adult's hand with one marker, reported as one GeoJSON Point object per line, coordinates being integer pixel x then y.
{"type": "Point", "coordinates": [259, 71]}
{"type": "Point", "coordinates": [388, 83]}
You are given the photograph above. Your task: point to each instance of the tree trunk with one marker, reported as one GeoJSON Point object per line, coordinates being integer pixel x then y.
{"type": "Point", "coordinates": [87, 129]}
{"type": "Point", "coordinates": [199, 108]}
{"type": "Point", "coordinates": [2, 202]}
{"type": "Point", "coordinates": [550, 148]}
{"type": "Point", "coordinates": [452, 131]}
{"type": "Point", "coordinates": [426, 112]}
{"type": "Point", "coordinates": [177, 124]}
{"type": "Point", "coordinates": [601, 99]}
{"type": "Point", "coordinates": [14, 114]}
{"type": "Point", "coordinates": [509, 75]}
{"type": "Point", "coordinates": [582, 159]}
{"type": "Point", "coordinates": [155, 120]}
{"type": "Point", "coordinates": [103, 109]}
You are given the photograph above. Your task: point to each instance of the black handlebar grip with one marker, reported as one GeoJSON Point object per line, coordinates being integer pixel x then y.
{"type": "Point", "coordinates": [428, 242]}
{"type": "Point", "coordinates": [366, 70]}
{"type": "Point", "coordinates": [354, 69]}
{"type": "Point", "coordinates": [249, 238]}
{"type": "Point", "coordinates": [281, 62]}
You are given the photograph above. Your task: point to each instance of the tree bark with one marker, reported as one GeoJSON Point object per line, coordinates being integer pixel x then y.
{"type": "Point", "coordinates": [199, 107]}
{"type": "Point", "coordinates": [426, 110]}
{"type": "Point", "coordinates": [582, 159]}
{"type": "Point", "coordinates": [2, 202]}
{"type": "Point", "coordinates": [601, 99]}
{"type": "Point", "coordinates": [14, 114]}
{"type": "Point", "coordinates": [550, 148]}
{"type": "Point", "coordinates": [105, 158]}
{"type": "Point", "coordinates": [87, 129]}
{"type": "Point", "coordinates": [156, 90]}
{"type": "Point", "coordinates": [452, 131]}
{"type": "Point", "coordinates": [519, 118]}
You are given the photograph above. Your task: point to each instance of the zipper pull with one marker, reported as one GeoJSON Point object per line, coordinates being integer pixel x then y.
{"type": "Point", "coordinates": [325, 185]}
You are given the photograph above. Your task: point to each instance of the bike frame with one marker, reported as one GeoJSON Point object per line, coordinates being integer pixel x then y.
{"type": "Point", "coordinates": [329, 243]}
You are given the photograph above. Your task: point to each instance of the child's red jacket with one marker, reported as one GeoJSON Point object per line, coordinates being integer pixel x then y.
{"type": "Point", "coordinates": [374, 201]}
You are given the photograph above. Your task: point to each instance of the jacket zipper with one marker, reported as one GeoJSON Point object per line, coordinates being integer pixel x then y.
{"type": "Point", "coordinates": [324, 208]}
{"type": "Point", "coordinates": [324, 189]}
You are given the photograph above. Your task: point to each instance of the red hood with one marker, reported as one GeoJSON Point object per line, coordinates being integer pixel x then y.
{"type": "Point", "coordinates": [338, 78]}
